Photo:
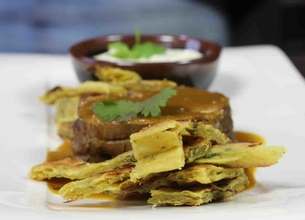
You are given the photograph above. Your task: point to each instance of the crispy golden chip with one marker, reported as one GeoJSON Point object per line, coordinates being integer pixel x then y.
{"type": "Point", "coordinates": [158, 148]}
{"type": "Point", "coordinates": [66, 112]}
{"type": "Point", "coordinates": [66, 109]}
{"type": "Point", "coordinates": [107, 182]}
{"type": "Point", "coordinates": [51, 96]}
{"type": "Point", "coordinates": [198, 195]}
{"type": "Point", "coordinates": [77, 169]}
{"type": "Point", "coordinates": [157, 151]}
{"type": "Point", "coordinates": [117, 76]}
{"type": "Point", "coordinates": [204, 174]}
{"type": "Point", "coordinates": [152, 85]}
{"type": "Point", "coordinates": [201, 174]}
{"type": "Point", "coordinates": [243, 155]}
{"type": "Point", "coordinates": [156, 145]}
{"type": "Point", "coordinates": [210, 133]}
{"type": "Point", "coordinates": [197, 150]}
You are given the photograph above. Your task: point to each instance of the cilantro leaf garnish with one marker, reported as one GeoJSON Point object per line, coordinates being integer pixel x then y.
{"type": "Point", "coordinates": [119, 49]}
{"type": "Point", "coordinates": [146, 50]}
{"type": "Point", "coordinates": [138, 50]}
{"type": "Point", "coordinates": [123, 109]}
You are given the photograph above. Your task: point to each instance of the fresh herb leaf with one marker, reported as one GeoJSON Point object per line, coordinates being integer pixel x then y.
{"type": "Point", "coordinates": [123, 110]}
{"type": "Point", "coordinates": [138, 50]}
{"type": "Point", "coordinates": [151, 107]}
{"type": "Point", "coordinates": [120, 110]}
{"type": "Point", "coordinates": [137, 36]}
{"type": "Point", "coordinates": [119, 49]}
{"type": "Point", "coordinates": [146, 50]}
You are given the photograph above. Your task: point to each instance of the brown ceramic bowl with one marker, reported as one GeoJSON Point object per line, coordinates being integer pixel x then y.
{"type": "Point", "coordinates": [199, 72]}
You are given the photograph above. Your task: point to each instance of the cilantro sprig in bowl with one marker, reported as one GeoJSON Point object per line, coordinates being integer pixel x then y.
{"type": "Point", "coordinates": [144, 54]}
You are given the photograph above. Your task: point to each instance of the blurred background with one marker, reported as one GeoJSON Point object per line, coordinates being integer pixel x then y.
{"type": "Point", "coordinates": [51, 26]}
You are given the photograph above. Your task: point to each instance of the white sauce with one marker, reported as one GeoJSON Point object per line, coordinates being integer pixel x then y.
{"type": "Point", "coordinates": [170, 55]}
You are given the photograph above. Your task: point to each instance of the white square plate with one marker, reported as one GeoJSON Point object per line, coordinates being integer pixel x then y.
{"type": "Point", "coordinates": [267, 97]}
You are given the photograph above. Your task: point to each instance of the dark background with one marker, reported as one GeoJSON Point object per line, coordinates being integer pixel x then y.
{"type": "Point", "coordinates": [51, 26]}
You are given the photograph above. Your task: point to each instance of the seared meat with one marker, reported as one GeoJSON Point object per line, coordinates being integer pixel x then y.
{"type": "Point", "coordinates": [93, 137]}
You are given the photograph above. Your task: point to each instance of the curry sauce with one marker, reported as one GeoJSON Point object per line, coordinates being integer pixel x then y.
{"type": "Point", "coordinates": [188, 103]}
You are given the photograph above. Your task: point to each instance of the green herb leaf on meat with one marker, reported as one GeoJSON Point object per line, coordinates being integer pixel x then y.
{"type": "Point", "coordinates": [109, 110]}
{"type": "Point", "coordinates": [151, 107]}
{"type": "Point", "coordinates": [123, 109]}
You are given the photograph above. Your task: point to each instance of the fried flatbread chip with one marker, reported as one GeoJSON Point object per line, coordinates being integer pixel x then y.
{"type": "Point", "coordinates": [51, 96]}
{"type": "Point", "coordinates": [243, 155]}
{"type": "Point", "coordinates": [204, 174]}
{"type": "Point", "coordinates": [66, 112]}
{"type": "Point", "coordinates": [76, 169]}
{"type": "Point", "coordinates": [200, 174]}
{"type": "Point", "coordinates": [196, 150]}
{"type": "Point", "coordinates": [117, 76]}
{"type": "Point", "coordinates": [237, 155]}
{"type": "Point", "coordinates": [107, 182]}
{"type": "Point", "coordinates": [130, 79]}
{"type": "Point", "coordinates": [156, 145]}
{"type": "Point", "coordinates": [199, 195]}
{"type": "Point", "coordinates": [210, 133]}
{"type": "Point", "coordinates": [66, 109]}
{"type": "Point", "coordinates": [152, 85]}
{"type": "Point", "coordinates": [158, 148]}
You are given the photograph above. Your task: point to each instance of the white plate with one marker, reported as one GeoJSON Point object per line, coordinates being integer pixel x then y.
{"type": "Point", "coordinates": [267, 97]}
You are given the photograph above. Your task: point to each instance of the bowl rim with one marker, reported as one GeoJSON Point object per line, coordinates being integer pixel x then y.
{"type": "Point", "coordinates": [214, 49]}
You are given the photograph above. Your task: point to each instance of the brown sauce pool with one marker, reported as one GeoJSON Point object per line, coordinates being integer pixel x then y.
{"type": "Point", "coordinates": [242, 136]}
{"type": "Point", "coordinates": [65, 150]}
